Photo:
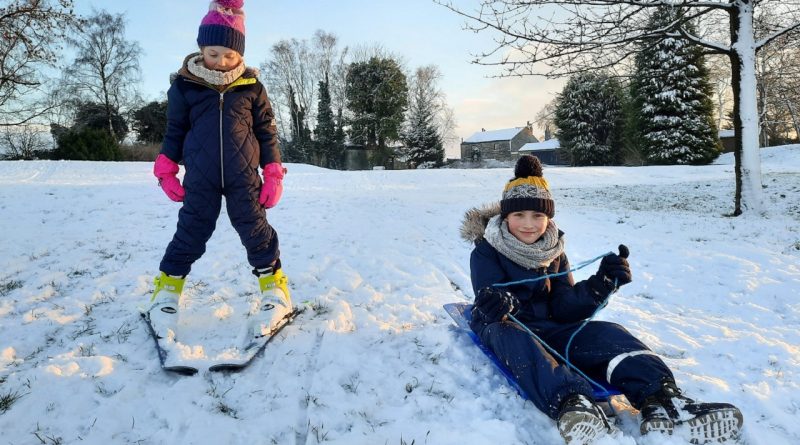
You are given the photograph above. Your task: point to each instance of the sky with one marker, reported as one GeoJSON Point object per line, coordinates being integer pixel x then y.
{"type": "Point", "coordinates": [373, 256]}
{"type": "Point", "coordinates": [421, 32]}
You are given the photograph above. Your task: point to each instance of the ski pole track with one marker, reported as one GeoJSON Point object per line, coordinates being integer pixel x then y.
{"type": "Point", "coordinates": [303, 425]}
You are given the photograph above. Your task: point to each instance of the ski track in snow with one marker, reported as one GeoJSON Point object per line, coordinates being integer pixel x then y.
{"type": "Point", "coordinates": [373, 255]}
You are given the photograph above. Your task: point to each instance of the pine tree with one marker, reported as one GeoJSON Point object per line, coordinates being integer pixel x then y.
{"type": "Point", "coordinates": [671, 90]}
{"type": "Point", "coordinates": [421, 136]}
{"type": "Point", "coordinates": [423, 144]}
{"type": "Point", "coordinates": [326, 142]}
{"type": "Point", "coordinates": [590, 120]}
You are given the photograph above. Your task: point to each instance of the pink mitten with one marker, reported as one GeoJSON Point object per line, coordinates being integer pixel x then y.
{"type": "Point", "coordinates": [273, 185]}
{"type": "Point", "coordinates": [166, 171]}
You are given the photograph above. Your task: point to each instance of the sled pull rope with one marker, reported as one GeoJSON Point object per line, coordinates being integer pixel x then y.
{"type": "Point", "coordinates": [585, 322]}
{"type": "Point", "coordinates": [552, 275]}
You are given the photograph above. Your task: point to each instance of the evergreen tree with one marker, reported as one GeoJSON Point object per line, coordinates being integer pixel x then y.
{"type": "Point", "coordinates": [377, 96]}
{"type": "Point", "coordinates": [95, 115]}
{"type": "Point", "coordinates": [421, 136]}
{"type": "Point", "coordinates": [423, 144]}
{"type": "Point", "coordinates": [672, 93]}
{"type": "Point", "coordinates": [150, 122]}
{"type": "Point", "coordinates": [589, 119]}
{"type": "Point", "coordinates": [328, 148]}
{"type": "Point", "coordinates": [87, 144]}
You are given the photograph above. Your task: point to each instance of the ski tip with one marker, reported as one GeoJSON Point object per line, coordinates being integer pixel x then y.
{"type": "Point", "coordinates": [186, 371]}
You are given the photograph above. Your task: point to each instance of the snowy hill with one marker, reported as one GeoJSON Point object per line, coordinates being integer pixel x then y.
{"type": "Point", "coordinates": [374, 255]}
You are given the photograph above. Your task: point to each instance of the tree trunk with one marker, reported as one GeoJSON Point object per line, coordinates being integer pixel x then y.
{"type": "Point", "coordinates": [107, 106]}
{"type": "Point", "coordinates": [792, 113]}
{"type": "Point", "coordinates": [747, 154]}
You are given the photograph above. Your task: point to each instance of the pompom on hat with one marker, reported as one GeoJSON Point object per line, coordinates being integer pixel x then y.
{"type": "Point", "coordinates": [223, 25]}
{"type": "Point", "coordinates": [528, 190]}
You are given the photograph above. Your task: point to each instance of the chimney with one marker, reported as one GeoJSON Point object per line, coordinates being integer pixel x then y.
{"type": "Point", "coordinates": [483, 129]}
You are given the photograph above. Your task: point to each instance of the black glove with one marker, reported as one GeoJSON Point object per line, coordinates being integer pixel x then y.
{"type": "Point", "coordinates": [615, 267]}
{"type": "Point", "coordinates": [495, 304]}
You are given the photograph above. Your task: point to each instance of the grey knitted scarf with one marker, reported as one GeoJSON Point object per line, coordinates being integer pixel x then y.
{"type": "Point", "coordinates": [530, 256]}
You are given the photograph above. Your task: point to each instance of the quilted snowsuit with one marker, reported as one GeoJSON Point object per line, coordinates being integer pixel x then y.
{"type": "Point", "coordinates": [553, 309]}
{"type": "Point", "coordinates": [222, 136]}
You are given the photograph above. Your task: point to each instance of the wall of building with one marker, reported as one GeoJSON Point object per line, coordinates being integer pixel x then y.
{"type": "Point", "coordinates": [497, 150]}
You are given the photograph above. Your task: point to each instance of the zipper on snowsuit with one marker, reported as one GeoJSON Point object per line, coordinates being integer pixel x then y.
{"type": "Point", "coordinates": [236, 83]}
{"type": "Point", "coordinates": [221, 151]}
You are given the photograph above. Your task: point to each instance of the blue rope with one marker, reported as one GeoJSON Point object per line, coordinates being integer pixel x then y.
{"type": "Point", "coordinates": [585, 322]}
{"type": "Point", "coordinates": [544, 277]}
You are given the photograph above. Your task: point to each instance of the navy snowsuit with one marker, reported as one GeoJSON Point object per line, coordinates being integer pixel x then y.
{"type": "Point", "coordinates": [222, 136]}
{"type": "Point", "coordinates": [553, 309]}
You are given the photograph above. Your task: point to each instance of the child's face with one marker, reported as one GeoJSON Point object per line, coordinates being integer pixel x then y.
{"type": "Point", "coordinates": [219, 58]}
{"type": "Point", "coordinates": [527, 225]}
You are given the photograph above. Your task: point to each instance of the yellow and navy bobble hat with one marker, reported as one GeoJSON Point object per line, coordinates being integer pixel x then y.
{"type": "Point", "coordinates": [528, 190]}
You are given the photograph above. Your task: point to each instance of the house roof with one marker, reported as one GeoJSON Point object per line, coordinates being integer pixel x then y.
{"type": "Point", "coordinates": [495, 135]}
{"type": "Point", "coordinates": [550, 144]}
{"type": "Point", "coordinates": [726, 133]}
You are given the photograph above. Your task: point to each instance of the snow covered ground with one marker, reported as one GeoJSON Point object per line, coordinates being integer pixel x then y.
{"type": "Point", "coordinates": [374, 255]}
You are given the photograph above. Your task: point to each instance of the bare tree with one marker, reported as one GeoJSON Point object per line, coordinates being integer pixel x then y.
{"type": "Point", "coordinates": [31, 31]}
{"type": "Point", "coordinates": [720, 76]}
{"type": "Point", "coordinates": [106, 69]}
{"type": "Point", "coordinates": [23, 142]}
{"type": "Point", "coordinates": [426, 82]}
{"type": "Point", "coordinates": [546, 119]}
{"type": "Point", "coordinates": [562, 37]}
{"type": "Point", "coordinates": [290, 74]}
{"type": "Point", "coordinates": [777, 70]}
{"type": "Point", "coordinates": [332, 68]}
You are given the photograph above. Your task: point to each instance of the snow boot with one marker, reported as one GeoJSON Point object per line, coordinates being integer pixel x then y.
{"type": "Point", "coordinates": [163, 312]}
{"type": "Point", "coordinates": [581, 421]}
{"type": "Point", "coordinates": [272, 305]}
{"type": "Point", "coordinates": [668, 411]}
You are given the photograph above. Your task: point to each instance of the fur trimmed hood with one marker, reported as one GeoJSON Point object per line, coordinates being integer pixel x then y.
{"type": "Point", "coordinates": [475, 220]}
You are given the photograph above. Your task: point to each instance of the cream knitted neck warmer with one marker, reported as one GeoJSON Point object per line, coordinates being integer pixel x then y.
{"type": "Point", "coordinates": [213, 77]}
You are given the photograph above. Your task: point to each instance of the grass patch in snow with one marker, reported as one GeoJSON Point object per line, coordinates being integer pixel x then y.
{"type": "Point", "coordinates": [8, 399]}
{"type": "Point", "coordinates": [8, 286]}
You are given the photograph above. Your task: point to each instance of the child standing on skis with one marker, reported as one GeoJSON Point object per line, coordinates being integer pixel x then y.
{"type": "Point", "coordinates": [221, 125]}
{"type": "Point", "coordinates": [517, 240]}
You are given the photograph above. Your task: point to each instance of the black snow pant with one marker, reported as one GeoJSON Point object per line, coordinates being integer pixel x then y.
{"type": "Point", "coordinates": [197, 220]}
{"type": "Point", "coordinates": [604, 351]}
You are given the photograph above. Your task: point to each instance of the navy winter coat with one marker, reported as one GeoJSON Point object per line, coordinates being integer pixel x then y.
{"type": "Point", "coordinates": [221, 136]}
{"type": "Point", "coordinates": [549, 301]}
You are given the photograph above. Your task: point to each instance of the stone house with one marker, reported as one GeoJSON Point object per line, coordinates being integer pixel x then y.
{"type": "Point", "coordinates": [499, 145]}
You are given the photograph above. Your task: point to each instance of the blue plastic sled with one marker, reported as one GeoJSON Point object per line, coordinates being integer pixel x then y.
{"type": "Point", "coordinates": [461, 313]}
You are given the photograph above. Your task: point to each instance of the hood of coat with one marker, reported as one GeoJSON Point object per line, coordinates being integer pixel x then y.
{"type": "Point", "coordinates": [475, 220]}
{"type": "Point", "coordinates": [249, 72]}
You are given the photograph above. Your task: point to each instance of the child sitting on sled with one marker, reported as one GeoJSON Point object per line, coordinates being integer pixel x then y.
{"type": "Point", "coordinates": [516, 240]}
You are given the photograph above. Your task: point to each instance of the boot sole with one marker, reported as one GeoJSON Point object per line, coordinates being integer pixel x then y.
{"type": "Point", "coordinates": [720, 426]}
{"type": "Point", "coordinates": [581, 428]}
